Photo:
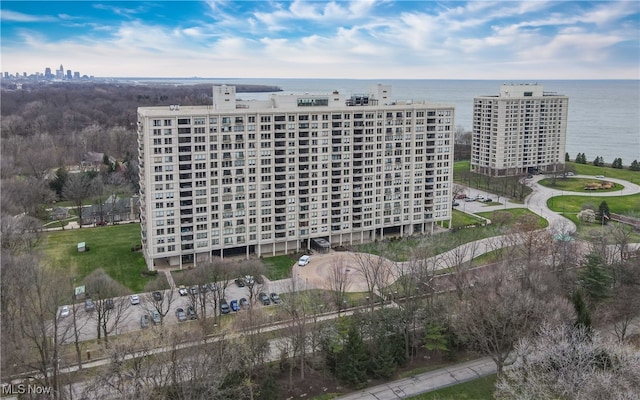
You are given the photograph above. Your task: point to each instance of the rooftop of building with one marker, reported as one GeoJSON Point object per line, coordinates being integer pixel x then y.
{"type": "Point", "coordinates": [224, 99]}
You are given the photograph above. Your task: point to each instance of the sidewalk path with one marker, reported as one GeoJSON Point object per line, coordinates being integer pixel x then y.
{"type": "Point", "coordinates": [426, 382]}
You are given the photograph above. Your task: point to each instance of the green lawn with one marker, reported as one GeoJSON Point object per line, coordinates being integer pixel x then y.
{"type": "Point", "coordinates": [515, 214]}
{"type": "Point", "coordinates": [460, 219]}
{"type": "Point", "coordinates": [585, 169]}
{"type": "Point", "coordinates": [279, 267]}
{"type": "Point", "coordinates": [478, 389]}
{"type": "Point", "coordinates": [109, 249]}
{"type": "Point", "coordinates": [401, 250]}
{"type": "Point", "coordinates": [629, 204]}
{"type": "Point", "coordinates": [577, 185]}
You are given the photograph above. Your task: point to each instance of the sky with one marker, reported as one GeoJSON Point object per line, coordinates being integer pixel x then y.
{"type": "Point", "coordinates": [363, 39]}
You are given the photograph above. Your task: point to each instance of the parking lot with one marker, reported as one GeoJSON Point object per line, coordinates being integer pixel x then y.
{"type": "Point", "coordinates": [129, 315]}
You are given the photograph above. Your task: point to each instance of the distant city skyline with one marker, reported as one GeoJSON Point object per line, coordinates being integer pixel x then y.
{"type": "Point", "coordinates": [326, 39]}
{"type": "Point", "coordinates": [46, 73]}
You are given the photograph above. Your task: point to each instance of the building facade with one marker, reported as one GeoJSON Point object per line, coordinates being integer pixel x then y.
{"type": "Point", "coordinates": [264, 177]}
{"type": "Point", "coordinates": [520, 131]}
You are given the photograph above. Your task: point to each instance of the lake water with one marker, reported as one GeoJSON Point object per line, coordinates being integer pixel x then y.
{"type": "Point", "coordinates": [604, 115]}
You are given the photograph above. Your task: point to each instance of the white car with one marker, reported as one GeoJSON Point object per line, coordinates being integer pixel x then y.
{"type": "Point", "coordinates": [304, 260]}
{"type": "Point", "coordinates": [600, 176]}
{"type": "Point", "coordinates": [64, 311]}
{"type": "Point", "coordinates": [135, 299]}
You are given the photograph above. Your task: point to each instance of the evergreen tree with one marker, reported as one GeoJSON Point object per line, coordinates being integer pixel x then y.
{"type": "Point", "coordinates": [58, 182]}
{"type": "Point", "coordinates": [596, 279]}
{"type": "Point", "coordinates": [583, 316]}
{"type": "Point", "coordinates": [268, 390]}
{"type": "Point", "coordinates": [603, 213]}
{"type": "Point", "coordinates": [617, 163]}
{"type": "Point", "coordinates": [597, 161]}
{"type": "Point", "coordinates": [352, 360]}
{"type": "Point", "coordinates": [635, 166]}
{"type": "Point", "coordinates": [435, 338]}
{"type": "Point", "coordinates": [566, 157]}
{"type": "Point", "coordinates": [579, 158]}
{"type": "Point", "coordinates": [382, 363]}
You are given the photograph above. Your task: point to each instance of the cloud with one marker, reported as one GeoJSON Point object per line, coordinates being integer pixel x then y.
{"type": "Point", "coordinates": [336, 39]}
{"type": "Point", "coordinates": [13, 16]}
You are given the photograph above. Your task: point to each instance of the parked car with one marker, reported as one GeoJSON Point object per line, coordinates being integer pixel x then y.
{"type": "Point", "coordinates": [155, 317]}
{"type": "Point", "coordinates": [239, 282]}
{"type": "Point", "coordinates": [276, 298]}
{"type": "Point", "coordinates": [244, 303]}
{"type": "Point", "coordinates": [248, 279]}
{"type": "Point", "coordinates": [65, 311]}
{"type": "Point", "coordinates": [89, 306]}
{"type": "Point", "coordinates": [204, 288]}
{"type": "Point", "coordinates": [224, 307]}
{"type": "Point", "coordinates": [264, 299]}
{"type": "Point", "coordinates": [234, 305]}
{"type": "Point", "coordinates": [180, 314]}
{"type": "Point", "coordinates": [109, 304]}
{"type": "Point", "coordinates": [157, 296]}
{"type": "Point", "coordinates": [487, 200]}
{"type": "Point", "coordinates": [182, 291]}
{"type": "Point", "coordinates": [460, 196]}
{"type": "Point", "coordinates": [193, 290]}
{"type": "Point", "coordinates": [570, 173]}
{"type": "Point", "coordinates": [600, 176]}
{"type": "Point", "coordinates": [191, 313]}
{"type": "Point", "coordinates": [469, 199]}
{"type": "Point", "coordinates": [212, 286]}
{"type": "Point", "coordinates": [304, 260]}
{"type": "Point", "coordinates": [135, 299]}
{"type": "Point", "coordinates": [144, 321]}
{"type": "Point", "coordinates": [456, 204]}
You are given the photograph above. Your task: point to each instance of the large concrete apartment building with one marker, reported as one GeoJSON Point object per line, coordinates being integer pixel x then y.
{"type": "Point", "coordinates": [522, 130]}
{"type": "Point", "coordinates": [265, 177]}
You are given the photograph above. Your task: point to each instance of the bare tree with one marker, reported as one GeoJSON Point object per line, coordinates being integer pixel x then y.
{"type": "Point", "coordinates": [497, 312]}
{"type": "Point", "coordinates": [19, 233]}
{"type": "Point", "coordinates": [459, 260]}
{"type": "Point", "coordinates": [34, 340]}
{"type": "Point", "coordinates": [111, 305]}
{"type": "Point", "coordinates": [293, 343]}
{"type": "Point", "coordinates": [26, 195]}
{"type": "Point", "coordinates": [339, 282]}
{"type": "Point", "coordinates": [570, 363]}
{"type": "Point", "coordinates": [375, 271]}
{"type": "Point", "coordinates": [77, 189]}
{"type": "Point", "coordinates": [158, 298]}
{"type": "Point", "coordinates": [138, 370]}
{"type": "Point", "coordinates": [253, 344]}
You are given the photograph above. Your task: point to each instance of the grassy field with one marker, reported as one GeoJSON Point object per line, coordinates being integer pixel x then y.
{"type": "Point", "coordinates": [401, 250]}
{"type": "Point", "coordinates": [109, 249]}
{"type": "Point", "coordinates": [585, 169]}
{"type": "Point", "coordinates": [478, 389]}
{"type": "Point", "coordinates": [460, 219]}
{"type": "Point", "coordinates": [628, 204]}
{"type": "Point", "coordinates": [576, 185]}
{"type": "Point", "coordinates": [279, 267]}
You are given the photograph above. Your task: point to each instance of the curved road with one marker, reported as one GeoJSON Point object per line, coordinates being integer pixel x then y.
{"type": "Point", "coordinates": [317, 274]}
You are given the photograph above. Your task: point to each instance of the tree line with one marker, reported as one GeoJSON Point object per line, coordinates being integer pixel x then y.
{"type": "Point", "coordinates": [581, 158]}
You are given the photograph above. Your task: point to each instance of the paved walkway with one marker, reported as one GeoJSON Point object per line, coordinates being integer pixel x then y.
{"type": "Point", "coordinates": [426, 382]}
